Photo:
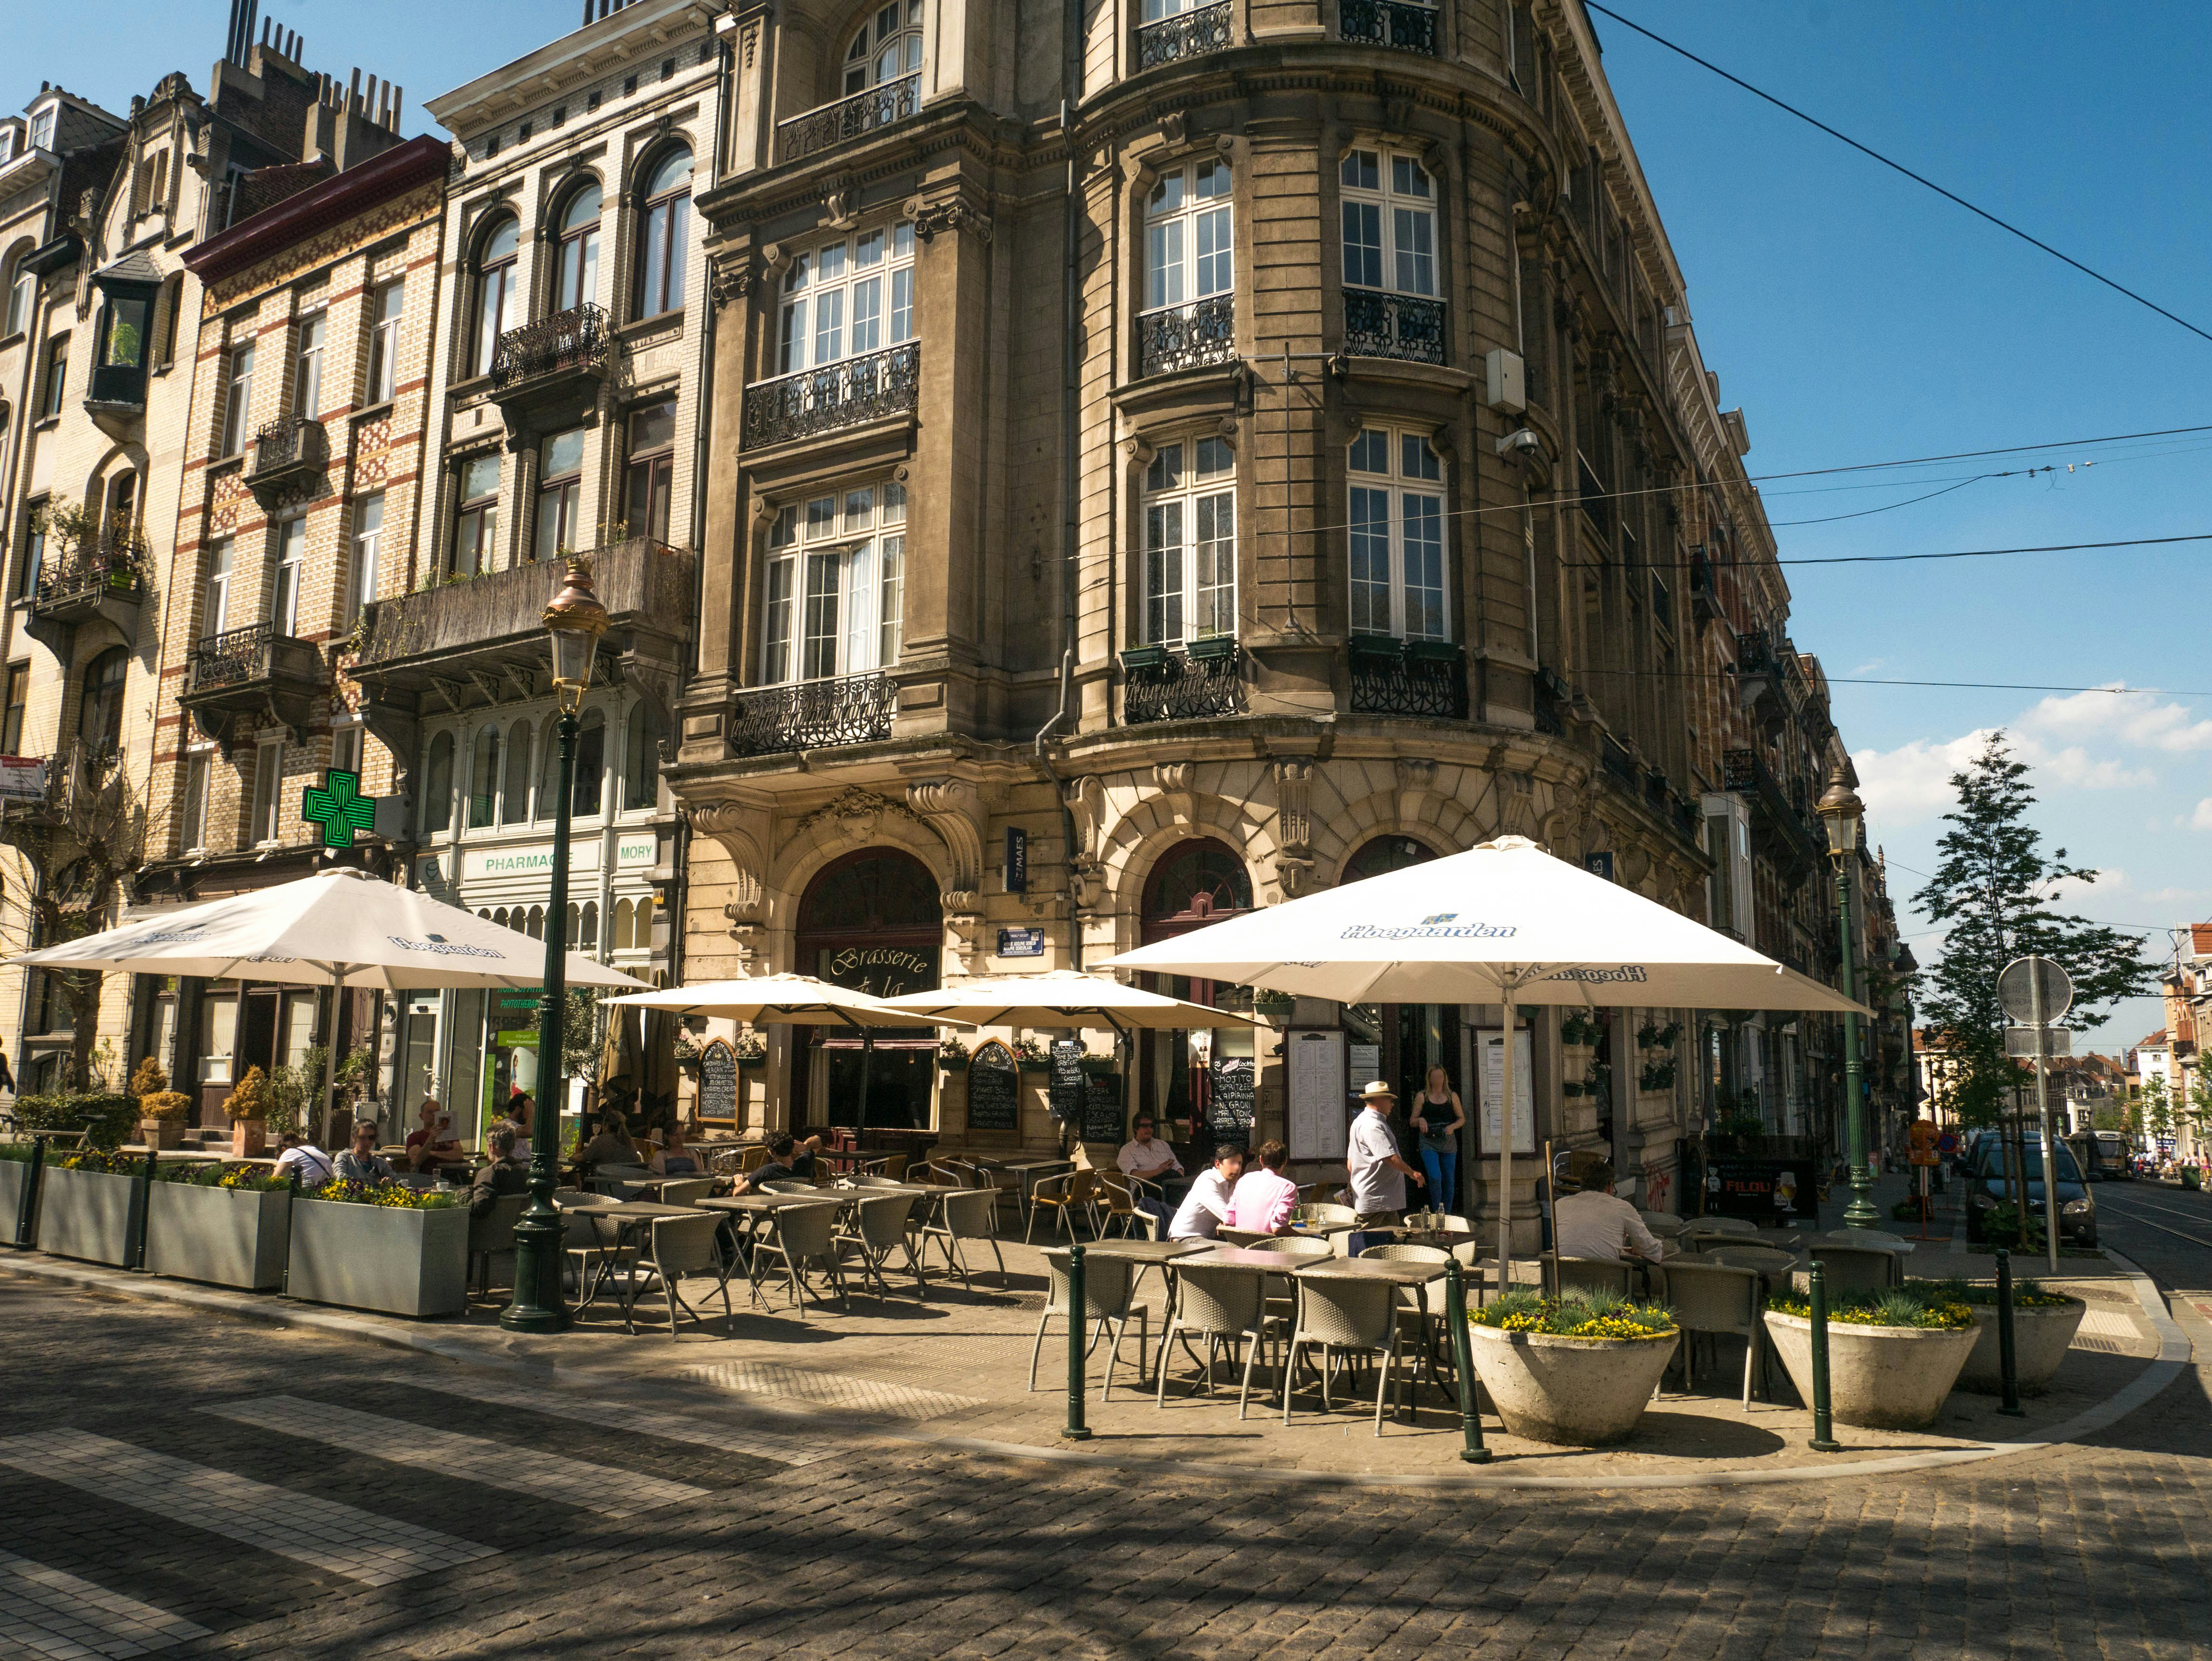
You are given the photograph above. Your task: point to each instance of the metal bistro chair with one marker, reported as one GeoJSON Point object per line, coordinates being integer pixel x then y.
{"type": "Point", "coordinates": [1297, 1247]}
{"type": "Point", "coordinates": [491, 1234]}
{"type": "Point", "coordinates": [1065, 1194]}
{"type": "Point", "coordinates": [686, 1245]}
{"type": "Point", "coordinates": [1713, 1297]}
{"type": "Point", "coordinates": [802, 1235]}
{"type": "Point", "coordinates": [1119, 1192]}
{"type": "Point", "coordinates": [878, 1229]}
{"type": "Point", "coordinates": [1225, 1306]}
{"type": "Point", "coordinates": [971, 1214]}
{"type": "Point", "coordinates": [1345, 1317]}
{"type": "Point", "coordinates": [1108, 1300]}
{"type": "Point", "coordinates": [1850, 1269]}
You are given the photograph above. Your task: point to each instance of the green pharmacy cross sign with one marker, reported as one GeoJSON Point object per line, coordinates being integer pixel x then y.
{"type": "Point", "coordinates": [339, 806]}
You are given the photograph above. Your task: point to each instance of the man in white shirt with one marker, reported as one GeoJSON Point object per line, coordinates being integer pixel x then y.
{"type": "Point", "coordinates": [1147, 1156]}
{"type": "Point", "coordinates": [1595, 1223]}
{"type": "Point", "coordinates": [1378, 1173]}
{"type": "Point", "coordinates": [1206, 1208]}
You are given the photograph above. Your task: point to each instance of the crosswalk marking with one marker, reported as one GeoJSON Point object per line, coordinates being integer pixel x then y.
{"type": "Point", "coordinates": [305, 1527]}
{"type": "Point", "coordinates": [607, 1489]}
{"type": "Point", "coordinates": [53, 1615]}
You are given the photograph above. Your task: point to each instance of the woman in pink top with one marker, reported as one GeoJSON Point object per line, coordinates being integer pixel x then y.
{"type": "Point", "coordinates": [1261, 1200]}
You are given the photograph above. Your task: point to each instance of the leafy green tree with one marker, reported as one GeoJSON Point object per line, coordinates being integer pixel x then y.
{"type": "Point", "coordinates": [2157, 1116]}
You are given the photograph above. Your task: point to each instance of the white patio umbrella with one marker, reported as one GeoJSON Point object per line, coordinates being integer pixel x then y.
{"type": "Point", "coordinates": [339, 928]}
{"type": "Point", "coordinates": [1503, 922]}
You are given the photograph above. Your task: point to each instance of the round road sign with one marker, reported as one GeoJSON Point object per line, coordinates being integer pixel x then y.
{"type": "Point", "coordinates": [2021, 981]}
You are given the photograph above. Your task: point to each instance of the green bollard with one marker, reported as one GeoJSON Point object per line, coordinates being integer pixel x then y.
{"type": "Point", "coordinates": [1824, 1440]}
{"type": "Point", "coordinates": [26, 1208]}
{"type": "Point", "coordinates": [1077, 1322]}
{"type": "Point", "coordinates": [1470, 1409]}
{"type": "Point", "coordinates": [138, 1252]}
{"type": "Point", "coordinates": [2008, 1357]}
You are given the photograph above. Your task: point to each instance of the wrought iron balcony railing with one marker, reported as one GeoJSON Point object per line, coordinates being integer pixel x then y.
{"type": "Point", "coordinates": [828, 125]}
{"type": "Point", "coordinates": [1408, 677]}
{"type": "Point", "coordinates": [1409, 28]}
{"type": "Point", "coordinates": [1401, 325]}
{"type": "Point", "coordinates": [850, 394]}
{"type": "Point", "coordinates": [812, 714]}
{"type": "Point", "coordinates": [114, 569]}
{"type": "Point", "coordinates": [235, 656]}
{"type": "Point", "coordinates": [1185, 337]}
{"type": "Point", "coordinates": [576, 341]}
{"type": "Point", "coordinates": [1193, 34]}
{"type": "Point", "coordinates": [1204, 679]}
{"type": "Point", "coordinates": [284, 448]}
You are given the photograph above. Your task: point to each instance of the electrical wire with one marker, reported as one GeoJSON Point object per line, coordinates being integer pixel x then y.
{"type": "Point", "coordinates": [1890, 507]}
{"type": "Point", "coordinates": [1899, 167]}
{"type": "Point", "coordinates": [1861, 680]}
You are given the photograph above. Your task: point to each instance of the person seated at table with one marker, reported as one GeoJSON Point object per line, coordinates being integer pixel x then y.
{"type": "Point", "coordinates": [776, 1168]}
{"type": "Point", "coordinates": [801, 1159]}
{"type": "Point", "coordinates": [432, 1142]}
{"type": "Point", "coordinates": [521, 1111]}
{"type": "Point", "coordinates": [610, 1144]}
{"type": "Point", "coordinates": [1261, 1200]}
{"type": "Point", "coordinates": [1147, 1158]}
{"type": "Point", "coordinates": [314, 1166]}
{"type": "Point", "coordinates": [504, 1174]}
{"type": "Point", "coordinates": [362, 1163]}
{"type": "Point", "coordinates": [1206, 1207]}
{"type": "Point", "coordinates": [672, 1158]}
{"type": "Point", "coordinates": [1595, 1223]}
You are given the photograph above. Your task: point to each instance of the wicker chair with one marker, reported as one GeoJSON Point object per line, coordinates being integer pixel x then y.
{"type": "Point", "coordinates": [1344, 1316]}
{"type": "Point", "coordinates": [971, 1214]}
{"type": "Point", "coordinates": [878, 1229]}
{"type": "Point", "coordinates": [1847, 1269]}
{"type": "Point", "coordinates": [1118, 1192]}
{"type": "Point", "coordinates": [803, 1235]}
{"type": "Point", "coordinates": [1412, 1303]}
{"type": "Point", "coordinates": [685, 1245]}
{"type": "Point", "coordinates": [1224, 1307]}
{"type": "Point", "coordinates": [686, 1191]}
{"type": "Point", "coordinates": [1110, 1286]}
{"type": "Point", "coordinates": [1594, 1274]}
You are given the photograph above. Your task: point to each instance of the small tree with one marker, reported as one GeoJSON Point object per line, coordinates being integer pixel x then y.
{"type": "Point", "coordinates": [150, 1078]}
{"type": "Point", "coordinates": [2157, 1107]}
{"type": "Point", "coordinates": [249, 1097]}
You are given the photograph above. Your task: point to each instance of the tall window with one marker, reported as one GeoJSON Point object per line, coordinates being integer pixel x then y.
{"type": "Point", "coordinates": [836, 585]}
{"type": "Point", "coordinates": [548, 771]}
{"type": "Point", "coordinates": [1187, 235]}
{"type": "Point", "coordinates": [384, 307]}
{"type": "Point", "coordinates": [192, 832]}
{"type": "Point", "coordinates": [214, 611]}
{"type": "Point", "coordinates": [1390, 223]}
{"type": "Point", "coordinates": [577, 279]}
{"type": "Point", "coordinates": [22, 293]}
{"type": "Point", "coordinates": [847, 299]}
{"type": "Point", "coordinates": [360, 566]}
{"type": "Point", "coordinates": [438, 785]}
{"type": "Point", "coordinates": [560, 494]}
{"type": "Point", "coordinates": [585, 797]}
{"type": "Point", "coordinates": [649, 475]}
{"type": "Point", "coordinates": [345, 748]}
{"type": "Point", "coordinates": [496, 308]}
{"type": "Point", "coordinates": [267, 792]}
{"type": "Point", "coordinates": [1397, 536]}
{"type": "Point", "coordinates": [1190, 542]}
{"type": "Point", "coordinates": [514, 799]}
{"type": "Point", "coordinates": [641, 758]}
{"type": "Point", "coordinates": [483, 779]}
{"type": "Point", "coordinates": [662, 221]}
{"type": "Point", "coordinates": [237, 396]}
{"type": "Point", "coordinates": [11, 715]}
{"type": "Point", "coordinates": [889, 46]}
{"type": "Point", "coordinates": [57, 387]}
{"type": "Point", "coordinates": [34, 546]}
{"type": "Point", "coordinates": [284, 586]}
{"type": "Point", "coordinates": [42, 129]}
{"type": "Point", "coordinates": [476, 527]}
{"type": "Point", "coordinates": [307, 366]}
{"type": "Point", "coordinates": [100, 709]}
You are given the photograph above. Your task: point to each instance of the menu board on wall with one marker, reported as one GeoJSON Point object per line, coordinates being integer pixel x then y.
{"type": "Point", "coordinates": [1316, 1095]}
{"type": "Point", "coordinates": [1493, 1091]}
{"type": "Point", "coordinates": [718, 1080]}
{"type": "Point", "coordinates": [993, 1091]}
{"type": "Point", "coordinates": [1065, 1095]}
{"type": "Point", "coordinates": [1366, 1066]}
{"type": "Point", "coordinates": [1101, 1108]}
{"type": "Point", "coordinates": [1229, 1103]}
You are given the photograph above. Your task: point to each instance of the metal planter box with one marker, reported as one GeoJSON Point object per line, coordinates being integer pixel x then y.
{"type": "Point", "coordinates": [229, 1237]}
{"type": "Point", "coordinates": [385, 1258]}
{"type": "Point", "coordinates": [14, 1173]}
{"type": "Point", "coordinates": [87, 1214]}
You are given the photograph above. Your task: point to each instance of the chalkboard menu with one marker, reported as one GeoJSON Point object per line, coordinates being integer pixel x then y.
{"type": "Point", "coordinates": [1229, 1103]}
{"type": "Point", "coordinates": [1065, 1093]}
{"type": "Point", "coordinates": [1101, 1108]}
{"type": "Point", "coordinates": [718, 1080]}
{"type": "Point", "coordinates": [994, 1090]}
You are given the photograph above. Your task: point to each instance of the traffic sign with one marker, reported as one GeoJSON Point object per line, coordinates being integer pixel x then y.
{"type": "Point", "coordinates": [2020, 983]}
{"type": "Point", "coordinates": [2027, 1043]}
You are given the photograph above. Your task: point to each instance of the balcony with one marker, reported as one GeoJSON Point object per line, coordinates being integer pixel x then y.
{"type": "Point", "coordinates": [288, 455]}
{"type": "Point", "coordinates": [1193, 33]}
{"type": "Point", "coordinates": [1186, 337]}
{"type": "Point", "coordinates": [812, 714]}
{"type": "Point", "coordinates": [830, 124]}
{"type": "Point", "coordinates": [252, 674]}
{"type": "Point", "coordinates": [545, 376]}
{"type": "Point", "coordinates": [1388, 23]}
{"type": "Point", "coordinates": [1399, 326]}
{"type": "Point", "coordinates": [1408, 677]}
{"type": "Point", "coordinates": [850, 394]}
{"type": "Point", "coordinates": [105, 582]}
{"type": "Point", "coordinates": [1705, 595]}
{"type": "Point", "coordinates": [1204, 679]}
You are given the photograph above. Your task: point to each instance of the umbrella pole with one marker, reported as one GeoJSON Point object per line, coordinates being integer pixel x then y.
{"type": "Point", "coordinates": [1505, 1117]}
{"type": "Point", "coordinates": [331, 1049]}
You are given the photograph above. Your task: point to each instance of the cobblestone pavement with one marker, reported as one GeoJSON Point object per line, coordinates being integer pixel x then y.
{"type": "Point", "coordinates": [224, 1518]}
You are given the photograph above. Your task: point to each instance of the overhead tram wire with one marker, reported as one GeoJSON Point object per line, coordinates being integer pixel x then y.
{"type": "Point", "coordinates": [1899, 167]}
{"type": "Point", "coordinates": [1861, 680]}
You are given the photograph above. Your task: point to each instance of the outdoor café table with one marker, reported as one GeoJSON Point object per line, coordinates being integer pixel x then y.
{"type": "Point", "coordinates": [1416, 1275]}
{"type": "Point", "coordinates": [627, 1216]}
{"type": "Point", "coordinates": [1144, 1254]}
{"type": "Point", "coordinates": [756, 1210]}
{"type": "Point", "coordinates": [1025, 1173]}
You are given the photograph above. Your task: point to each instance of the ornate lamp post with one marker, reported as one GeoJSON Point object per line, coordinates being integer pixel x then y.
{"type": "Point", "coordinates": [1843, 813]}
{"type": "Point", "coordinates": [574, 620]}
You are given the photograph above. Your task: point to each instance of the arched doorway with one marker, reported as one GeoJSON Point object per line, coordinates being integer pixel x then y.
{"type": "Point", "coordinates": [1194, 885]}
{"type": "Point", "coordinates": [869, 920]}
{"type": "Point", "coordinates": [1403, 1040]}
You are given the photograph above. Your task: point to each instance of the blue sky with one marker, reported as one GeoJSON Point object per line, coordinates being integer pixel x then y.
{"type": "Point", "coordinates": [1856, 318]}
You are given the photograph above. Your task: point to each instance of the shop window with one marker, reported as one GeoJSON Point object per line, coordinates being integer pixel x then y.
{"type": "Point", "coordinates": [438, 786]}
{"type": "Point", "coordinates": [585, 798]}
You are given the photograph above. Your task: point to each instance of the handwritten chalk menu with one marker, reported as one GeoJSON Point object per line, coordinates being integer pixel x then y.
{"type": "Point", "coordinates": [1065, 1094]}
{"type": "Point", "coordinates": [1229, 1103]}
{"type": "Point", "coordinates": [993, 1091]}
{"type": "Point", "coordinates": [1101, 1108]}
{"type": "Point", "coordinates": [1317, 1108]}
{"type": "Point", "coordinates": [718, 1080]}
{"type": "Point", "coordinates": [1493, 1091]}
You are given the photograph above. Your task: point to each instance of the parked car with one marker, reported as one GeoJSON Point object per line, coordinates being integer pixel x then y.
{"type": "Point", "coordinates": [1988, 1187]}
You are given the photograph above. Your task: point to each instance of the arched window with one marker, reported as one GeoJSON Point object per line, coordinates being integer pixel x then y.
{"type": "Point", "coordinates": [576, 278]}
{"type": "Point", "coordinates": [514, 805]}
{"type": "Point", "coordinates": [1195, 884]}
{"type": "Point", "coordinates": [498, 917]}
{"type": "Point", "coordinates": [534, 927]}
{"type": "Point", "coordinates": [483, 780]}
{"type": "Point", "coordinates": [619, 927]}
{"type": "Point", "coordinates": [664, 218]}
{"type": "Point", "coordinates": [585, 799]}
{"type": "Point", "coordinates": [590, 939]}
{"type": "Point", "coordinates": [495, 310]}
{"type": "Point", "coordinates": [888, 46]}
{"type": "Point", "coordinates": [438, 785]}
{"type": "Point", "coordinates": [22, 290]}
{"type": "Point", "coordinates": [1385, 854]}
{"type": "Point", "coordinates": [99, 715]}
{"type": "Point", "coordinates": [576, 925]}
{"type": "Point", "coordinates": [641, 758]}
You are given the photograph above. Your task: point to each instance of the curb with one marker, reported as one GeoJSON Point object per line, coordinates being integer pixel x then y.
{"type": "Point", "coordinates": [2174, 1354]}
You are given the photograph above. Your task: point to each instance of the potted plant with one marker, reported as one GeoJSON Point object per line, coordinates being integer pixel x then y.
{"type": "Point", "coordinates": [1579, 1036]}
{"type": "Point", "coordinates": [1030, 1056]}
{"type": "Point", "coordinates": [385, 1247]}
{"type": "Point", "coordinates": [1575, 1370]}
{"type": "Point", "coordinates": [1893, 1356]}
{"type": "Point", "coordinates": [247, 1104]}
{"type": "Point", "coordinates": [1095, 1065]}
{"type": "Point", "coordinates": [953, 1055]}
{"type": "Point", "coordinates": [89, 1205]}
{"type": "Point", "coordinates": [228, 1226]}
{"type": "Point", "coordinates": [2044, 1323]}
{"type": "Point", "coordinates": [752, 1050]}
{"type": "Point", "coordinates": [686, 1049]}
{"type": "Point", "coordinates": [1276, 1006]}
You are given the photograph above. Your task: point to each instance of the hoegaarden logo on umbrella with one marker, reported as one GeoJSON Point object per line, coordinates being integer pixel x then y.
{"type": "Point", "coordinates": [1442, 925]}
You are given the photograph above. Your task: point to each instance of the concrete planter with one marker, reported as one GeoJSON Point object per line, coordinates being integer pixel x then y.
{"type": "Point", "coordinates": [2039, 1339]}
{"type": "Point", "coordinates": [1879, 1378]}
{"type": "Point", "coordinates": [1580, 1392]}
{"type": "Point", "coordinates": [230, 1236]}
{"type": "Point", "coordinates": [396, 1261]}
{"type": "Point", "coordinates": [14, 1173]}
{"type": "Point", "coordinates": [88, 1214]}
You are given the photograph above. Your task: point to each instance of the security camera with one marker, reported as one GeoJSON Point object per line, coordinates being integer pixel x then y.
{"type": "Point", "coordinates": [1519, 442]}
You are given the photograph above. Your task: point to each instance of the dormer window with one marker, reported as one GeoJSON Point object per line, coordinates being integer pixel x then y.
{"type": "Point", "coordinates": [42, 129]}
{"type": "Point", "coordinates": [888, 46]}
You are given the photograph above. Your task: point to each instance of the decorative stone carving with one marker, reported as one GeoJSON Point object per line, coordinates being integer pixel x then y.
{"type": "Point", "coordinates": [731, 824]}
{"type": "Point", "coordinates": [956, 213]}
{"type": "Point", "coordinates": [954, 809]}
{"type": "Point", "coordinates": [732, 281]}
{"type": "Point", "coordinates": [1086, 807]}
{"type": "Point", "coordinates": [855, 814]}
{"type": "Point", "coordinates": [841, 202]}
{"type": "Point", "coordinates": [1173, 776]}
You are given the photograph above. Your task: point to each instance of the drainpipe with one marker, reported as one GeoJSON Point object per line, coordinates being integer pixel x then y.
{"type": "Point", "coordinates": [1059, 800]}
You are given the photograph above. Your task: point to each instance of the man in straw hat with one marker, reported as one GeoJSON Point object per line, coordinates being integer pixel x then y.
{"type": "Point", "coordinates": [1378, 1173]}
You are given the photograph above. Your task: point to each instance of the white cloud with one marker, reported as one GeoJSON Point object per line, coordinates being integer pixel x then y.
{"type": "Point", "coordinates": [1912, 782]}
{"type": "Point", "coordinates": [2139, 721]}
{"type": "Point", "coordinates": [2200, 820]}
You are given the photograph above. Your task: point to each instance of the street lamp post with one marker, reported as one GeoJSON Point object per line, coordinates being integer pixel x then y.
{"type": "Point", "coordinates": [1842, 812]}
{"type": "Point", "coordinates": [574, 620]}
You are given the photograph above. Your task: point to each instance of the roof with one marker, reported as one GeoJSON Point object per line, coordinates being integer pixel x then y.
{"type": "Point", "coordinates": [139, 266]}
{"type": "Point", "coordinates": [637, 27]}
{"type": "Point", "coordinates": [389, 173]}
{"type": "Point", "coordinates": [2199, 942]}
